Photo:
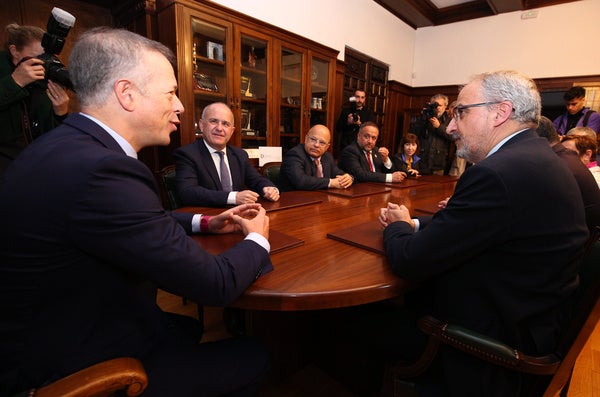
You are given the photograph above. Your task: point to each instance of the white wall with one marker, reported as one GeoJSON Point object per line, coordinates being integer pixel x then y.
{"type": "Point", "coordinates": [361, 24]}
{"type": "Point", "coordinates": [563, 40]}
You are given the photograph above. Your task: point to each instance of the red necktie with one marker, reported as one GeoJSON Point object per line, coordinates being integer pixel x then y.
{"type": "Point", "coordinates": [319, 168]}
{"type": "Point", "coordinates": [371, 167]}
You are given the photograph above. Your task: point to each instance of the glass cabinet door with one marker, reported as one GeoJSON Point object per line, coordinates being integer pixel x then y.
{"type": "Point", "coordinates": [290, 132]}
{"type": "Point", "coordinates": [319, 83]}
{"type": "Point", "coordinates": [253, 92]}
{"type": "Point", "coordinates": [209, 72]}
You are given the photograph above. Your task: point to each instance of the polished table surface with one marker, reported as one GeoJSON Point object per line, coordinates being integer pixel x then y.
{"type": "Point", "coordinates": [323, 273]}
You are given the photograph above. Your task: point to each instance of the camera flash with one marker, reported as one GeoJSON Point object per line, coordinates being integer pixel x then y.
{"type": "Point", "coordinates": [352, 99]}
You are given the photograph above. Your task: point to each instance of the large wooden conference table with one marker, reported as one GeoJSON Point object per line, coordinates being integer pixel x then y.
{"type": "Point", "coordinates": [314, 271]}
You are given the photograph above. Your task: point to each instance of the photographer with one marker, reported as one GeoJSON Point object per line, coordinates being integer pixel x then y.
{"type": "Point", "coordinates": [351, 119]}
{"type": "Point", "coordinates": [26, 109]}
{"type": "Point", "coordinates": [431, 130]}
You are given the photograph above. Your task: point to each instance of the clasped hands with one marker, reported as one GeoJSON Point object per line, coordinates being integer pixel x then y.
{"type": "Point", "coordinates": [395, 213]}
{"type": "Point", "coordinates": [270, 193]}
{"type": "Point", "coordinates": [246, 218]}
{"type": "Point", "coordinates": [342, 181]}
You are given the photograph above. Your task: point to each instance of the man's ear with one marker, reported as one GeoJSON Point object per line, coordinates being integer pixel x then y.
{"type": "Point", "coordinates": [587, 155]}
{"type": "Point", "coordinates": [126, 92]}
{"type": "Point", "coordinates": [503, 112]}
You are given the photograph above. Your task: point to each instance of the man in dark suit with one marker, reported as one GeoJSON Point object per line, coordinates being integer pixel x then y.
{"type": "Point", "coordinates": [211, 172]}
{"type": "Point", "coordinates": [310, 166]}
{"type": "Point", "coordinates": [367, 162]}
{"type": "Point", "coordinates": [499, 259]}
{"type": "Point", "coordinates": [590, 192]}
{"type": "Point", "coordinates": [78, 267]}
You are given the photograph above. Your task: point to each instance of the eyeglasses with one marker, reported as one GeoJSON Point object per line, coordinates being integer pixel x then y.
{"type": "Point", "coordinates": [459, 110]}
{"type": "Point", "coordinates": [316, 141]}
{"type": "Point", "coordinates": [215, 122]}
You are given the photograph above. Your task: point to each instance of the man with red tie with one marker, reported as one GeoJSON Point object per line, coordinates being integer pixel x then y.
{"type": "Point", "coordinates": [367, 162]}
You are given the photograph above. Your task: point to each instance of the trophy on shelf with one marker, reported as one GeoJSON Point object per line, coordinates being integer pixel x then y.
{"type": "Point", "coordinates": [245, 88]}
{"type": "Point", "coordinates": [251, 58]}
{"type": "Point", "coordinates": [246, 122]}
{"type": "Point", "coordinates": [202, 81]}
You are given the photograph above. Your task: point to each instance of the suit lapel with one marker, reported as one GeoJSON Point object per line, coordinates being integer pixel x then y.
{"type": "Point", "coordinates": [209, 164]}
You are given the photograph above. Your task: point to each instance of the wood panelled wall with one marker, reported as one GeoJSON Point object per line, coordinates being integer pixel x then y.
{"type": "Point", "coordinates": [139, 16]}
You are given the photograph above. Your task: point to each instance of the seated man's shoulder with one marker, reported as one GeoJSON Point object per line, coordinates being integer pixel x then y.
{"type": "Point", "coordinates": [188, 148]}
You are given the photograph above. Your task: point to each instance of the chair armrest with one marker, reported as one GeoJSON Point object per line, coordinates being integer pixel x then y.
{"type": "Point", "coordinates": [487, 348]}
{"type": "Point", "coordinates": [101, 379]}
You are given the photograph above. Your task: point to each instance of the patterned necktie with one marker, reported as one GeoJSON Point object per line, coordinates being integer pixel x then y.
{"type": "Point", "coordinates": [319, 168]}
{"type": "Point", "coordinates": [371, 167]}
{"type": "Point", "coordinates": [225, 177]}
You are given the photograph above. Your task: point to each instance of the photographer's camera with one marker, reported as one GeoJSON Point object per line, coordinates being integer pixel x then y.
{"type": "Point", "coordinates": [53, 41]}
{"type": "Point", "coordinates": [430, 110]}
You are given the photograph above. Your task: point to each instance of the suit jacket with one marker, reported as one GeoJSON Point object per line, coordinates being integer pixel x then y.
{"type": "Point", "coordinates": [502, 257]}
{"type": "Point", "coordinates": [198, 181]}
{"type": "Point", "coordinates": [353, 161]}
{"type": "Point", "coordinates": [77, 268]}
{"type": "Point", "coordinates": [299, 172]}
{"type": "Point", "coordinates": [590, 191]}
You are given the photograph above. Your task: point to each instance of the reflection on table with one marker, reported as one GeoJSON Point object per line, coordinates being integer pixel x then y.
{"type": "Point", "coordinates": [324, 273]}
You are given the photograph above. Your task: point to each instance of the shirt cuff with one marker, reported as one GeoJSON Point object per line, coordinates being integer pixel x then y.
{"type": "Point", "coordinates": [417, 224]}
{"type": "Point", "coordinates": [196, 223]}
{"type": "Point", "coordinates": [259, 239]}
{"type": "Point", "coordinates": [388, 163]}
{"type": "Point", "coordinates": [388, 178]}
{"type": "Point", "coordinates": [231, 198]}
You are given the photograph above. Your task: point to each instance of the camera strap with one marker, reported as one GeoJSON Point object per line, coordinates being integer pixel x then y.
{"type": "Point", "coordinates": [25, 124]}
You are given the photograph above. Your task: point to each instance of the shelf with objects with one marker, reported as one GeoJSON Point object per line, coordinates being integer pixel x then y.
{"type": "Point", "coordinates": [254, 123]}
{"type": "Point", "coordinates": [262, 72]}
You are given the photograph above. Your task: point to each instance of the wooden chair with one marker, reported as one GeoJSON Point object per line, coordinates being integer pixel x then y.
{"type": "Point", "coordinates": [99, 380]}
{"type": "Point", "coordinates": [167, 187]}
{"type": "Point", "coordinates": [271, 171]}
{"type": "Point", "coordinates": [557, 366]}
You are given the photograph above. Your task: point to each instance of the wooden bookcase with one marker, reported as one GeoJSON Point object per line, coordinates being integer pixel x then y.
{"type": "Point", "coordinates": [278, 84]}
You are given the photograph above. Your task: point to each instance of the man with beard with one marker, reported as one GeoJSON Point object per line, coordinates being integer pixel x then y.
{"type": "Point", "coordinates": [484, 261]}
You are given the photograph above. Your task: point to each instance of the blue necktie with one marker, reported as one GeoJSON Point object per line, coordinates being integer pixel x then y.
{"type": "Point", "coordinates": [225, 177]}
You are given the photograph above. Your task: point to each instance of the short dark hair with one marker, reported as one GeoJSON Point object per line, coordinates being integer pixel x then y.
{"type": "Point", "coordinates": [546, 129]}
{"type": "Point", "coordinates": [574, 93]}
{"type": "Point", "coordinates": [408, 138]}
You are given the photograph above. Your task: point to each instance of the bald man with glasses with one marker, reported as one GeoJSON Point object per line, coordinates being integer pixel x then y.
{"type": "Point", "coordinates": [309, 166]}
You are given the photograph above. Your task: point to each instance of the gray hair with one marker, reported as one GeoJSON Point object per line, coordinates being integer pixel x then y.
{"type": "Point", "coordinates": [103, 55]}
{"type": "Point", "coordinates": [582, 131]}
{"type": "Point", "coordinates": [516, 88]}
{"type": "Point", "coordinates": [440, 96]}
